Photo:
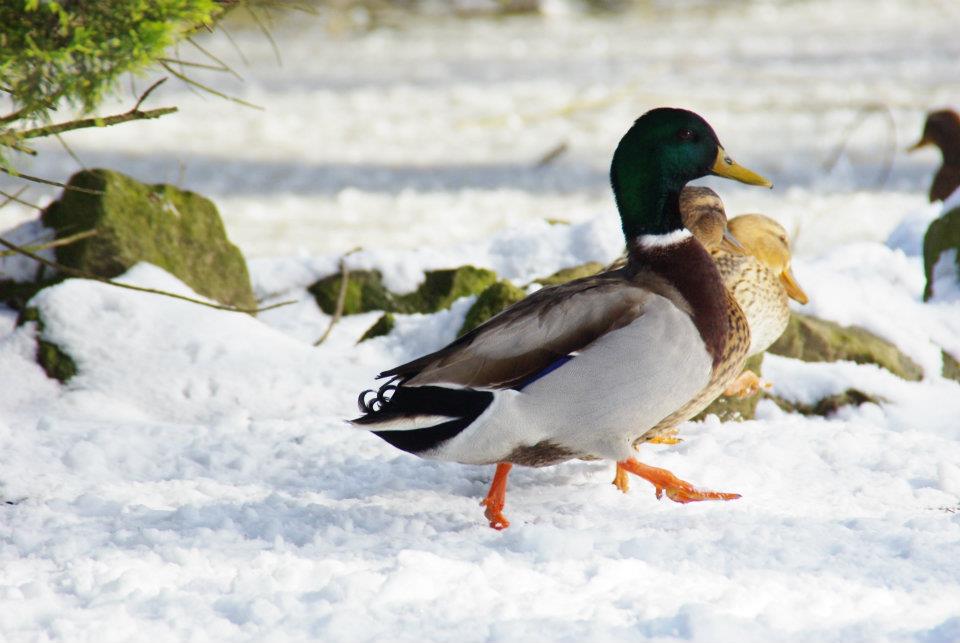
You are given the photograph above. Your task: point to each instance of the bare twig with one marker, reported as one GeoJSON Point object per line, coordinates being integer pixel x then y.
{"type": "Point", "coordinates": [15, 198]}
{"type": "Point", "coordinates": [74, 272]}
{"type": "Point", "coordinates": [69, 151]}
{"type": "Point", "coordinates": [223, 66]}
{"type": "Point", "coordinates": [55, 243]}
{"type": "Point", "coordinates": [341, 296]}
{"type": "Point", "coordinates": [37, 179]}
{"type": "Point", "coordinates": [861, 117]}
{"type": "Point", "coordinates": [552, 155]}
{"type": "Point", "coordinates": [191, 82]}
{"type": "Point", "coordinates": [266, 32]}
{"type": "Point", "coordinates": [83, 123]}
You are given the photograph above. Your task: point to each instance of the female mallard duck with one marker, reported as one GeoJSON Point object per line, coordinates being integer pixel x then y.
{"type": "Point", "coordinates": [587, 368]}
{"type": "Point", "coordinates": [942, 129]}
{"type": "Point", "coordinates": [761, 281]}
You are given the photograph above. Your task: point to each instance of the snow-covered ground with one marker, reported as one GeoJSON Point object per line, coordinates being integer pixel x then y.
{"type": "Point", "coordinates": [196, 480]}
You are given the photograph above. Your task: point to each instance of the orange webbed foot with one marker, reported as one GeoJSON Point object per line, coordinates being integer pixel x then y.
{"type": "Point", "coordinates": [621, 480]}
{"type": "Point", "coordinates": [497, 498]}
{"type": "Point", "coordinates": [747, 383]}
{"type": "Point", "coordinates": [665, 482]}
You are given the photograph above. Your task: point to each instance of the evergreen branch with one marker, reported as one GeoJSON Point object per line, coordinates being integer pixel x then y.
{"type": "Point", "coordinates": [83, 274]}
{"type": "Point", "coordinates": [266, 32]}
{"type": "Point", "coordinates": [55, 243]}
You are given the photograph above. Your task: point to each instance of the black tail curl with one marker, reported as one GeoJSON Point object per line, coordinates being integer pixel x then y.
{"type": "Point", "coordinates": [371, 401]}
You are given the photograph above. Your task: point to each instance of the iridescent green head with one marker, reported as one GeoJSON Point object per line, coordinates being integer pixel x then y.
{"type": "Point", "coordinates": [666, 148]}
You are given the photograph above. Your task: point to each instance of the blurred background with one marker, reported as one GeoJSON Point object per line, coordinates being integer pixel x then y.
{"type": "Point", "coordinates": [406, 123]}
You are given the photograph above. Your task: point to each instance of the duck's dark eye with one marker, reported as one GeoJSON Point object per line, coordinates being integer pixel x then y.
{"type": "Point", "coordinates": [686, 134]}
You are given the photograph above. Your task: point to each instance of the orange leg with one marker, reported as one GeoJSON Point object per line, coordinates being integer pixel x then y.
{"type": "Point", "coordinates": [677, 489]}
{"type": "Point", "coordinates": [497, 497]}
{"type": "Point", "coordinates": [621, 480]}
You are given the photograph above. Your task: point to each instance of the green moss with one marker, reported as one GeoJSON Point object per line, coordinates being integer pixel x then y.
{"type": "Point", "coordinates": [382, 326]}
{"type": "Point", "coordinates": [951, 367]}
{"type": "Point", "coordinates": [569, 274]}
{"type": "Point", "coordinates": [366, 292]}
{"type": "Point", "coordinates": [176, 230]}
{"type": "Point", "coordinates": [440, 288]}
{"type": "Point", "coordinates": [55, 362]}
{"type": "Point", "coordinates": [491, 301]}
{"type": "Point", "coordinates": [817, 340]}
{"type": "Point", "coordinates": [734, 408]}
{"type": "Point", "coordinates": [943, 234]}
{"type": "Point", "coordinates": [828, 405]}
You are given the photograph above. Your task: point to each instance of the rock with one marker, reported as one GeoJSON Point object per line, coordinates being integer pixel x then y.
{"type": "Point", "coordinates": [491, 301]}
{"type": "Point", "coordinates": [440, 288]}
{"type": "Point", "coordinates": [942, 235]}
{"type": "Point", "coordinates": [733, 407]}
{"type": "Point", "coordinates": [816, 340]}
{"type": "Point", "coordinates": [176, 230]}
{"type": "Point", "coordinates": [569, 274]}
{"type": "Point", "coordinates": [951, 367]}
{"type": "Point", "coordinates": [56, 363]}
{"type": "Point", "coordinates": [827, 405]}
{"type": "Point", "coordinates": [382, 326]}
{"type": "Point", "coordinates": [366, 292]}
{"type": "Point", "coordinates": [16, 294]}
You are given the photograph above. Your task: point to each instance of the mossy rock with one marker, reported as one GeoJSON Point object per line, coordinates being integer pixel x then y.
{"type": "Point", "coordinates": [816, 340]}
{"type": "Point", "coordinates": [942, 235]}
{"type": "Point", "coordinates": [366, 292]}
{"type": "Point", "coordinates": [382, 326]}
{"type": "Point", "coordinates": [951, 367]}
{"type": "Point", "coordinates": [54, 361]}
{"type": "Point", "coordinates": [440, 288]}
{"type": "Point", "coordinates": [491, 301]}
{"type": "Point", "coordinates": [828, 405]}
{"type": "Point", "coordinates": [16, 294]}
{"type": "Point", "coordinates": [734, 408]}
{"type": "Point", "coordinates": [176, 230]}
{"type": "Point", "coordinates": [569, 274]}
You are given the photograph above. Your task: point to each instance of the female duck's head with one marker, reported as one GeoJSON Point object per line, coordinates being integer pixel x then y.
{"type": "Point", "coordinates": [666, 148]}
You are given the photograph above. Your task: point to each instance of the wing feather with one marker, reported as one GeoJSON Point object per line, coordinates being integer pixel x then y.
{"type": "Point", "coordinates": [532, 334]}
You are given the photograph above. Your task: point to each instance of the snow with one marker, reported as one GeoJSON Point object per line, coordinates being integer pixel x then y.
{"type": "Point", "coordinates": [196, 480]}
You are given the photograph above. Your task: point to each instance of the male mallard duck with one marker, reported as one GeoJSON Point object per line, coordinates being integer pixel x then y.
{"type": "Point", "coordinates": [943, 130]}
{"type": "Point", "coordinates": [587, 368]}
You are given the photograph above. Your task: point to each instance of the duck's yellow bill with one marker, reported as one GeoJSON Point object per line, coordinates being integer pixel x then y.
{"type": "Point", "coordinates": [728, 168]}
{"type": "Point", "coordinates": [794, 291]}
{"type": "Point", "coordinates": [923, 142]}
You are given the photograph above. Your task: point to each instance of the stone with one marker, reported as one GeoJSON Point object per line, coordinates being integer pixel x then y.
{"type": "Point", "coordinates": [951, 367]}
{"type": "Point", "coordinates": [382, 326]}
{"type": "Point", "coordinates": [942, 235]}
{"type": "Point", "coordinates": [366, 291]}
{"type": "Point", "coordinates": [491, 301]}
{"type": "Point", "coordinates": [569, 274]}
{"type": "Point", "coordinates": [174, 229]}
{"type": "Point", "coordinates": [828, 405]}
{"type": "Point", "coordinates": [816, 340]}
{"type": "Point", "coordinates": [54, 361]}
